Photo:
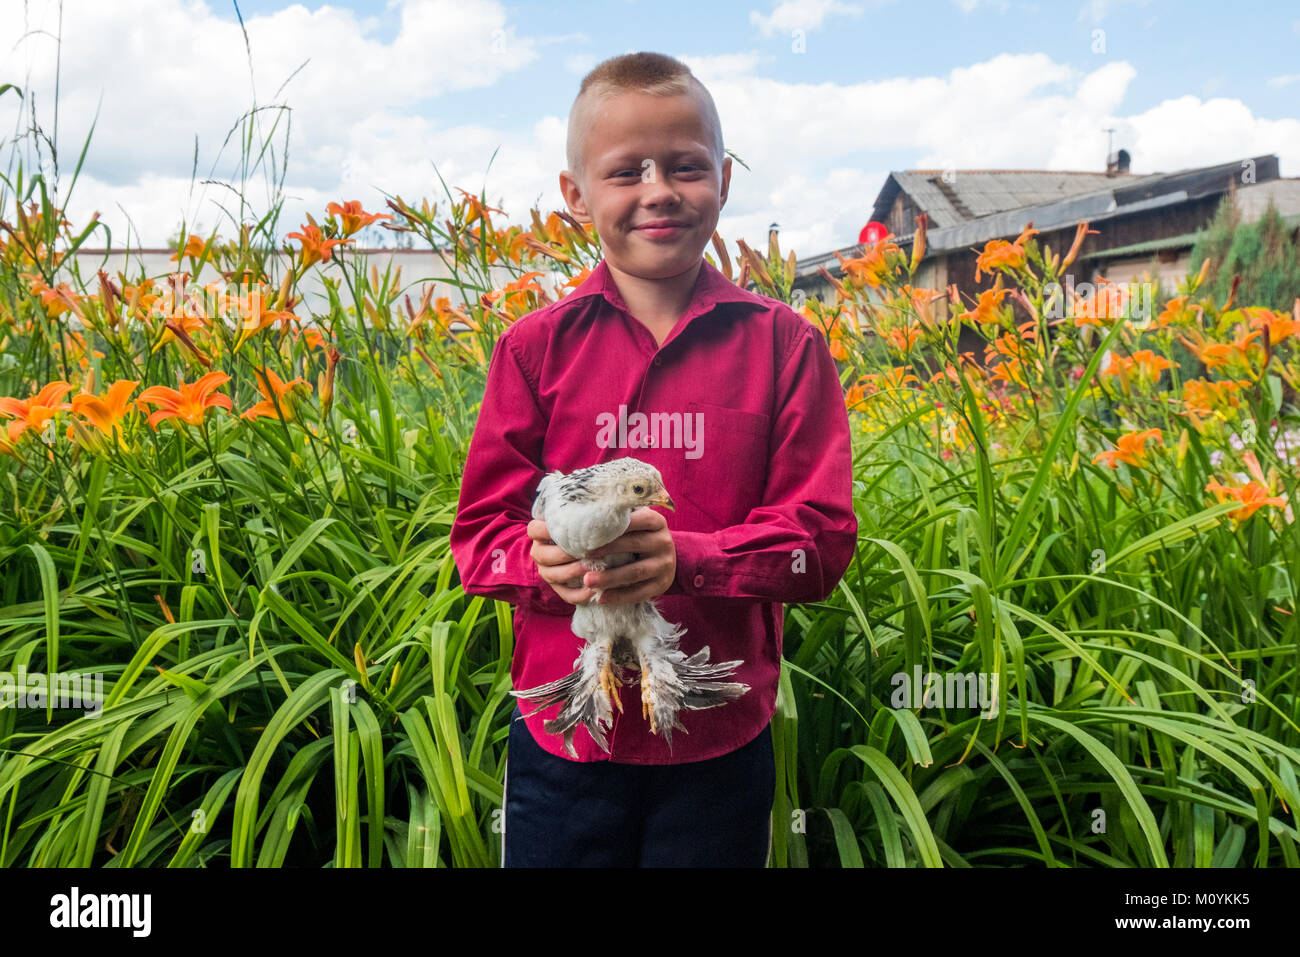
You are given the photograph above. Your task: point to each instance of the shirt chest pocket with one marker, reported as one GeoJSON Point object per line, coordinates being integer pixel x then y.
{"type": "Point", "coordinates": [728, 473]}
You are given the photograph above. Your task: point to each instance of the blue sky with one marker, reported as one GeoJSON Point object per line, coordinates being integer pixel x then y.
{"type": "Point", "coordinates": [820, 98]}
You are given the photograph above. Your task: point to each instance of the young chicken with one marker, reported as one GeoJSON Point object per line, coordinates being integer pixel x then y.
{"type": "Point", "coordinates": [584, 510]}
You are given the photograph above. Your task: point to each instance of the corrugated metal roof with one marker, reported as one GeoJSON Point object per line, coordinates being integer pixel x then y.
{"type": "Point", "coordinates": [1093, 207]}
{"type": "Point", "coordinates": [1118, 196]}
{"type": "Point", "coordinates": [971, 194]}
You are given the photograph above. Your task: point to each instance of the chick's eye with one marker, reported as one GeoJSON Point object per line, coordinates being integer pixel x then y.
{"type": "Point", "coordinates": [638, 489]}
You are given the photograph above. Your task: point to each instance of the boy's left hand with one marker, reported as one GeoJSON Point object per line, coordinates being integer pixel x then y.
{"type": "Point", "coordinates": [650, 574]}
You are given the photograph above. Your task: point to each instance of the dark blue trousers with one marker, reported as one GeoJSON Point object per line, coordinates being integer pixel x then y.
{"type": "Point", "coordinates": [561, 813]}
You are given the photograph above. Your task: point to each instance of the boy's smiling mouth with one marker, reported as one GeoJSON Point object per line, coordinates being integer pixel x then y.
{"type": "Point", "coordinates": [662, 229]}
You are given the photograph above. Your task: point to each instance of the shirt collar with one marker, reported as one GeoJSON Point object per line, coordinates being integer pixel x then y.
{"type": "Point", "coordinates": [711, 288]}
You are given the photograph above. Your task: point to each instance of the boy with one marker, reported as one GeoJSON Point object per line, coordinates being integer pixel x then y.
{"type": "Point", "coordinates": [750, 432]}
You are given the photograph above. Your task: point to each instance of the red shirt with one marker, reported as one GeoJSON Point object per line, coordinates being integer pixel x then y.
{"type": "Point", "coordinates": [762, 486]}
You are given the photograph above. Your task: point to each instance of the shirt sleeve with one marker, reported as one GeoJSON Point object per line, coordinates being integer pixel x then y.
{"type": "Point", "coordinates": [489, 537]}
{"type": "Point", "coordinates": [796, 546]}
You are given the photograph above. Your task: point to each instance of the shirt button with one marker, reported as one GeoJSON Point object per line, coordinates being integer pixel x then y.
{"type": "Point", "coordinates": [699, 581]}
{"type": "Point", "coordinates": [659, 360]}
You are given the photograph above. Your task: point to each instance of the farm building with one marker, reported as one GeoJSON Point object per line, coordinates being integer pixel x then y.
{"type": "Point", "coordinates": [1147, 223]}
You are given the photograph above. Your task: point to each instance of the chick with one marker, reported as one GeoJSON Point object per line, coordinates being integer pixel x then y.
{"type": "Point", "coordinates": [584, 510]}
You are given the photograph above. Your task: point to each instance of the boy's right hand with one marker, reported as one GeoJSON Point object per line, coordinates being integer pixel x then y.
{"type": "Point", "coordinates": [557, 567]}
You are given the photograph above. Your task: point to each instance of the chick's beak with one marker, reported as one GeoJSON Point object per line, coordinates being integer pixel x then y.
{"type": "Point", "coordinates": [663, 499]}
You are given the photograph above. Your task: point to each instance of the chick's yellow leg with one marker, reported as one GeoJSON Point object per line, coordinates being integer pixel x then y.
{"type": "Point", "coordinates": [648, 700]}
{"type": "Point", "coordinates": [609, 684]}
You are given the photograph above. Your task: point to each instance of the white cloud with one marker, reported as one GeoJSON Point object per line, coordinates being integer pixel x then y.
{"type": "Point", "coordinates": [1098, 10]}
{"type": "Point", "coordinates": [170, 70]}
{"type": "Point", "coordinates": [805, 15]}
{"type": "Point", "coordinates": [709, 69]}
{"type": "Point", "coordinates": [970, 6]}
{"type": "Point", "coordinates": [371, 114]}
{"type": "Point", "coordinates": [1188, 131]}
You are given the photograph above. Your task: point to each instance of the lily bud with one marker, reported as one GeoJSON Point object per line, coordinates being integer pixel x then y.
{"type": "Point", "coordinates": [1080, 232]}
{"type": "Point", "coordinates": [918, 244]}
{"type": "Point", "coordinates": [1200, 276]}
{"type": "Point", "coordinates": [325, 384]}
{"type": "Point", "coordinates": [1232, 293]}
{"type": "Point", "coordinates": [724, 261]}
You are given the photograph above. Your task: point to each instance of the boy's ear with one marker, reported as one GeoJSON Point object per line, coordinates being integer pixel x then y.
{"type": "Point", "coordinates": [726, 182]}
{"type": "Point", "coordinates": [572, 194]}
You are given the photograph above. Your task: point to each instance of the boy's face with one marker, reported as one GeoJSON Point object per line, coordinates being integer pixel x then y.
{"type": "Point", "coordinates": [648, 159]}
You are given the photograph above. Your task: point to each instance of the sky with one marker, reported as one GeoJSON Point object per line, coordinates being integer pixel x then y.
{"type": "Point", "coordinates": [819, 98]}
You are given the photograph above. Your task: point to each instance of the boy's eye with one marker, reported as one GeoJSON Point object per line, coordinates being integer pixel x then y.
{"type": "Point", "coordinates": [638, 173]}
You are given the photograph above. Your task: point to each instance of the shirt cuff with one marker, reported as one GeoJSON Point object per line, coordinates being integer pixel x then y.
{"type": "Point", "coordinates": [695, 564]}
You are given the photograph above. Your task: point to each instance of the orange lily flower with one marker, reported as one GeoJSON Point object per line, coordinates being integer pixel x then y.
{"type": "Point", "coordinates": [312, 336]}
{"type": "Point", "coordinates": [253, 319]}
{"type": "Point", "coordinates": [1145, 365]}
{"type": "Point", "coordinates": [920, 300]}
{"type": "Point", "coordinates": [986, 308]}
{"type": "Point", "coordinates": [476, 208]}
{"type": "Point", "coordinates": [1132, 449]}
{"type": "Point", "coordinates": [576, 280]}
{"type": "Point", "coordinates": [315, 247]}
{"type": "Point", "coordinates": [1107, 304]}
{"type": "Point", "coordinates": [1203, 397]}
{"type": "Point", "coordinates": [894, 378]}
{"type": "Point", "coordinates": [1224, 355]}
{"type": "Point", "coordinates": [76, 346]}
{"type": "Point", "coordinates": [105, 412]}
{"type": "Point", "coordinates": [189, 404]}
{"type": "Point", "coordinates": [514, 296]}
{"type": "Point", "coordinates": [276, 391]}
{"type": "Point", "coordinates": [877, 263]}
{"type": "Point", "coordinates": [1252, 496]}
{"type": "Point", "coordinates": [856, 395]}
{"type": "Point", "coordinates": [34, 412]}
{"type": "Point", "coordinates": [1176, 313]}
{"type": "Point", "coordinates": [832, 329]}
{"type": "Point", "coordinates": [56, 301]}
{"type": "Point", "coordinates": [1276, 324]}
{"type": "Point", "coordinates": [1012, 372]}
{"type": "Point", "coordinates": [903, 338]}
{"type": "Point", "coordinates": [193, 247]}
{"type": "Point", "coordinates": [1000, 254]}
{"type": "Point", "coordinates": [353, 217]}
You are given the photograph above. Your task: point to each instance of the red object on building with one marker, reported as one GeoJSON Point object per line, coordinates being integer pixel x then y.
{"type": "Point", "coordinates": [873, 233]}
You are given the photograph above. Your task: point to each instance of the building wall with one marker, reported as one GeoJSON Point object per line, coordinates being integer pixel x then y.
{"type": "Point", "coordinates": [419, 268]}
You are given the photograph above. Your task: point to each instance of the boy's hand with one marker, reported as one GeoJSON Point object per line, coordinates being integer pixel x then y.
{"type": "Point", "coordinates": [647, 537]}
{"type": "Point", "coordinates": [654, 567]}
{"type": "Point", "coordinates": [557, 567]}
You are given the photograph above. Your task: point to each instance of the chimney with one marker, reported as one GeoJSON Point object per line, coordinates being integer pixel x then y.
{"type": "Point", "coordinates": [1118, 163]}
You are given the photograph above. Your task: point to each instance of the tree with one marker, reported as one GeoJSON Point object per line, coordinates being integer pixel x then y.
{"type": "Point", "coordinates": [1263, 253]}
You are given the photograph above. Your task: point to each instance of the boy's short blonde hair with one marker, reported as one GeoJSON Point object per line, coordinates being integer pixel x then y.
{"type": "Point", "coordinates": [652, 73]}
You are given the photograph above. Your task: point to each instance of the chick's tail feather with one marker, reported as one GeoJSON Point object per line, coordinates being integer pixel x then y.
{"type": "Point", "coordinates": [582, 699]}
{"type": "Point", "coordinates": [671, 681]}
